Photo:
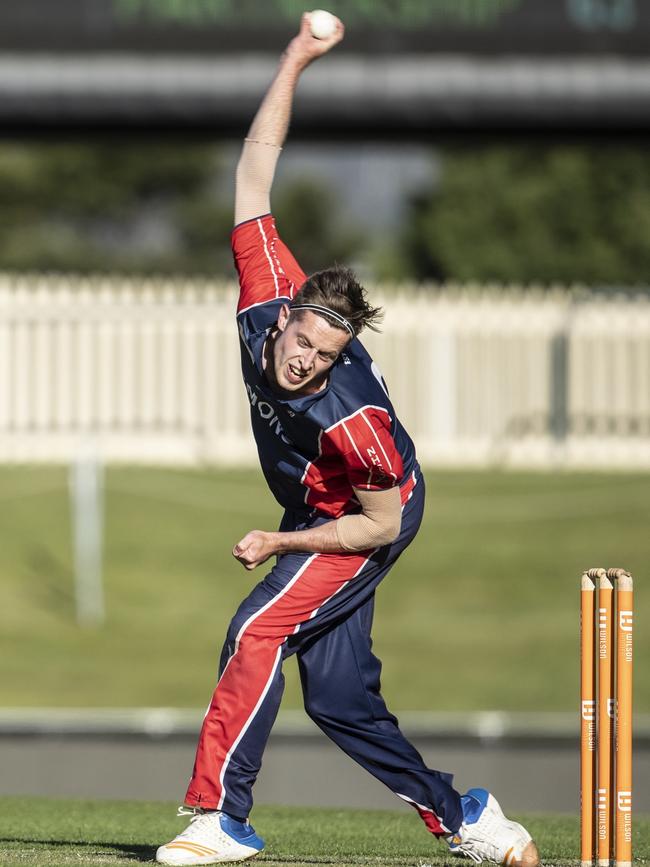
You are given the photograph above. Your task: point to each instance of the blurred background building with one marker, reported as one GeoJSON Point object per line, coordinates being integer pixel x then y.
{"type": "Point", "coordinates": [407, 67]}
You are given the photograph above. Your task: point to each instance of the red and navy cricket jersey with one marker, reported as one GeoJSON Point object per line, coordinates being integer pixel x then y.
{"type": "Point", "coordinates": [314, 448]}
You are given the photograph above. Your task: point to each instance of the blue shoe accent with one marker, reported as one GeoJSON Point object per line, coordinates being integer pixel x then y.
{"type": "Point", "coordinates": [473, 804]}
{"type": "Point", "coordinates": [242, 832]}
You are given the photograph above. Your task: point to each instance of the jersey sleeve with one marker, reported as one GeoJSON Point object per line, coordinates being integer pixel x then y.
{"type": "Point", "coordinates": [267, 270]}
{"type": "Point", "coordinates": [367, 448]}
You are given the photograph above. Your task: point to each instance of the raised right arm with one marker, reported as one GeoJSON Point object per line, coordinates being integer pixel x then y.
{"type": "Point", "coordinates": [268, 131]}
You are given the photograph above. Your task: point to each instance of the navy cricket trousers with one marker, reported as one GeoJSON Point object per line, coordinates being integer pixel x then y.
{"type": "Point", "coordinates": [319, 606]}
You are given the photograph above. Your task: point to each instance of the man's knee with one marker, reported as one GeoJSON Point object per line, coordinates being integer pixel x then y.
{"type": "Point", "coordinates": [317, 709]}
{"type": "Point", "coordinates": [324, 703]}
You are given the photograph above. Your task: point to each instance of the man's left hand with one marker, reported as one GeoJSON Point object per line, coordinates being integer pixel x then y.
{"type": "Point", "coordinates": [256, 547]}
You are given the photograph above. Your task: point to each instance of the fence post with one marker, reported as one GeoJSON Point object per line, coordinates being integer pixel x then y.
{"type": "Point", "coordinates": [86, 500]}
{"type": "Point", "coordinates": [559, 420]}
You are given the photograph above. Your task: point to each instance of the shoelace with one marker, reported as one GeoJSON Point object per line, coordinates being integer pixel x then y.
{"type": "Point", "coordinates": [481, 836]}
{"type": "Point", "coordinates": [194, 812]}
{"type": "Point", "coordinates": [466, 849]}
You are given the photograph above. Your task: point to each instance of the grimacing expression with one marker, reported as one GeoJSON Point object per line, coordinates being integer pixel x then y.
{"type": "Point", "coordinates": [305, 348]}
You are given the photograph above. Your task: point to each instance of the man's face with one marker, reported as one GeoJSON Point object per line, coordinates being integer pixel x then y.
{"type": "Point", "coordinates": [303, 350]}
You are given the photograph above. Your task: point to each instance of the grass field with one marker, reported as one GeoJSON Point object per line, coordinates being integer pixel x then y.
{"type": "Point", "coordinates": [43, 832]}
{"type": "Point", "coordinates": [480, 613]}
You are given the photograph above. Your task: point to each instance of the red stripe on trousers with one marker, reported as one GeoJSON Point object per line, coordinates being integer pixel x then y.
{"type": "Point", "coordinates": [249, 669]}
{"type": "Point", "coordinates": [432, 822]}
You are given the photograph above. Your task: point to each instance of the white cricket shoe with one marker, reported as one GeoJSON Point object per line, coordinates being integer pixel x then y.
{"type": "Point", "coordinates": [211, 838]}
{"type": "Point", "coordinates": [487, 835]}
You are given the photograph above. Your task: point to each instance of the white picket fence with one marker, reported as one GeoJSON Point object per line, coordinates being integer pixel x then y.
{"type": "Point", "coordinates": [148, 372]}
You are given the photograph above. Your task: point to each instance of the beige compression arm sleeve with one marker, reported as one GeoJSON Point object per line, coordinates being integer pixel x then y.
{"type": "Point", "coordinates": [378, 523]}
{"type": "Point", "coordinates": [254, 178]}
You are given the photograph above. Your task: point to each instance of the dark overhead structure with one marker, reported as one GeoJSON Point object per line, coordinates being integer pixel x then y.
{"type": "Point", "coordinates": [411, 66]}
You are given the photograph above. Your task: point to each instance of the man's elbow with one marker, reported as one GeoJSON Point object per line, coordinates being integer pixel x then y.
{"type": "Point", "coordinates": [389, 531]}
{"type": "Point", "coordinates": [362, 533]}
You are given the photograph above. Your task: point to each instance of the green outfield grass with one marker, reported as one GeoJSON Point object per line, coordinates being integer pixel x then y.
{"type": "Point", "coordinates": [43, 832]}
{"type": "Point", "coordinates": [480, 613]}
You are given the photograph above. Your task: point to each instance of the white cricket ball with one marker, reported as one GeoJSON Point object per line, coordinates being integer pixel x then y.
{"type": "Point", "coordinates": [322, 24]}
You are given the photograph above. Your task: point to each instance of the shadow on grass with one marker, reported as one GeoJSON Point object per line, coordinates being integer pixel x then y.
{"type": "Point", "coordinates": [87, 852]}
{"type": "Point", "coordinates": [134, 851]}
{"type": "Point", "coordinates": [146, 854]}
{"type": "Point", "coordinates": [50, 583]}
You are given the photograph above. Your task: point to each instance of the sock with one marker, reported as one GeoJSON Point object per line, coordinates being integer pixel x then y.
{"type": "Point", "coordinates": [243, 821]}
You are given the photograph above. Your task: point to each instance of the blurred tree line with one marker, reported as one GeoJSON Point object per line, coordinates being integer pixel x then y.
{"type": "Point", "coordinates": [507, 214]}
{"type": "Point", "coordinates": [106, 205]}
{"type": "Point", "coordinates": [142, 207]}
{"type": "Point", "coordinates": [532, 214]}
